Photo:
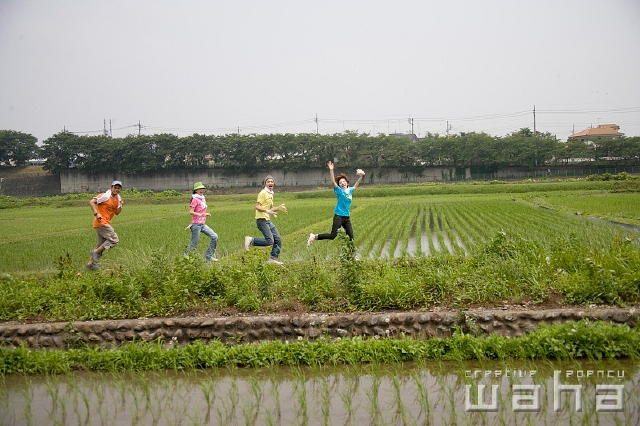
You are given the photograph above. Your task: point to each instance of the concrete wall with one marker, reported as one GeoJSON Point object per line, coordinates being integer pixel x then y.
{"type": "Point", "coordinates": [72, 181]}
{"type": "Point", "coordinates": [30, 186]}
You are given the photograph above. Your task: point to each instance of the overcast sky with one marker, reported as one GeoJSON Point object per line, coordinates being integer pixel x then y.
{"type": "Point", "coordinates": [272, 66]}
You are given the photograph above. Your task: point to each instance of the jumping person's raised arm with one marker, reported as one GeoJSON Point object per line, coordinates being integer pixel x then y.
{"type": "Point", "coordinates": [333, 178]}
{"type": "Point", "coordinates": [360, 174]}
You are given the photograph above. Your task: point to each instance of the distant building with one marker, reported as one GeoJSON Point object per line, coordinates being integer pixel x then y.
{"type": "Point", "coordinates": [592, 134]}
{"type": "Point", "coordinates": [410, 136]}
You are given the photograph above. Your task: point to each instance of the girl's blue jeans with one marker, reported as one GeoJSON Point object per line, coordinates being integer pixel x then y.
{"type": "Point", "coordinates": [196, 229]}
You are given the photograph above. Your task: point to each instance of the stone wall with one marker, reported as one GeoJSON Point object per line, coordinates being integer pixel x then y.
{"type": "Point", "coordinates": [243, 329]}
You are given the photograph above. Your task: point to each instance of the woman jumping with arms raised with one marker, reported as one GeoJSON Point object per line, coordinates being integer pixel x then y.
{"type": "Point", "coordinates": [343, 207]}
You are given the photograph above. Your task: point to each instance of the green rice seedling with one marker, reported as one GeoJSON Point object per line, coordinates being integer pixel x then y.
{"type": "Point", "coordinates": [347, 390]}
{"type": "Point", "coordinates": [440, 238]}
{"type": "Point", "coordinates": [208, 389]}
{"type": "Point", "coordinates": [54, 394]}
{"type": "Point", "coordinates": [234, 397]}
{"type": "Point", "coordinates": [422, 245]}
{"type": "Point", "coordinates": [401, 414]}
{"type": "Point", "coordinates": [275, 394]}
{"type": "Point", "coordinates": [224, 413]}
{"type": "Point", "coordinates": [250, 413]}
{"type": "Point", "coordinates": [424, 401]}
{"type": "Point", "coordinates": [28, 404]}
{"type": "Point", "coordinates": [325, 401]}
{"type": "Point", "coordinates": [300, 396]}
{"type": "Point", "coordinates": [373, 395]}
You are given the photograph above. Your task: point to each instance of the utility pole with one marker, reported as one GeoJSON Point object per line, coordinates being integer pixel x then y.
{"type": "Point", "coordinates": [139, 128]}
{"type": "Point", "coordinates": [410, 120]}
{"type": "Point", "coordinates": [534, 120]}
{"type": "Point", "coordinates": [449, 127]}
{"type": "Point", "coordinates": [316, 120]}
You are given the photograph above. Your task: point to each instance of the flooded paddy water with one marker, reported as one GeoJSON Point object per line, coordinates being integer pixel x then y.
{"type": "Point", "coordinates": [415, 393]}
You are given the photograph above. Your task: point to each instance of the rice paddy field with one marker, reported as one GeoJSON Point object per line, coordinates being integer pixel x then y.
{"type": "Point", "coordinates": [34, 238]}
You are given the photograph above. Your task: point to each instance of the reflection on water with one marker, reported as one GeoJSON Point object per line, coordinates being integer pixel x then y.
{"type": "Point", "coordinates": [447, 393]}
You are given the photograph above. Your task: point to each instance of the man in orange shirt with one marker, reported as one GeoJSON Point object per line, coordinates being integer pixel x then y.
{"type": "Point", "coordinates": [104, 207]}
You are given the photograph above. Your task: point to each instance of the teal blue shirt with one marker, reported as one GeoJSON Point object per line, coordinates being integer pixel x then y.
{"type": "Point", "coordinates": [344, 200]}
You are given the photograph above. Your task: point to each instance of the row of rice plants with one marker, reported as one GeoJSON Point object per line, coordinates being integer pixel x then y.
{"type": "Point", "coordinates": [401, 247]}
{"type": "Point", "coordinates": [465, 235]}
{"type": "Point", "coordinates": [448, 236]}
{"type": "Point", "coordinates": [442, 230]}
{"type": "Point", "coordinates": [414, 243]}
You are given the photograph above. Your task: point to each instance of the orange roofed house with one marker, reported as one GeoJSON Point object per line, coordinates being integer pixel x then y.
{"type": "Point", "coordinates": [594, 133]}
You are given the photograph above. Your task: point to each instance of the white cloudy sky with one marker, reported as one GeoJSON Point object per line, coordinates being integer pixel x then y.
{"type": "Point", "coordinates": [272, 66]}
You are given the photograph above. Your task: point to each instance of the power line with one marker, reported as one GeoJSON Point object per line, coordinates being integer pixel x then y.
{"type": "Point", "coordinates": [346, 123]}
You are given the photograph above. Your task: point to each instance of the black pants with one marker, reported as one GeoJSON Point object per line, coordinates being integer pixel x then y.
{"type": "Point", "coordinates": [338, 221]}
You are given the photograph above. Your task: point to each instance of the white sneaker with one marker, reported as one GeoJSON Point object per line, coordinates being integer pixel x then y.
{"type": "Point", "coordinates": [310, 239]}
{"type": "Point", "coordinates": [213, 259]}
{"type": "Point", "coordinates": [248, 242]}
{"type": "Point", "coordinates": [275, 261]}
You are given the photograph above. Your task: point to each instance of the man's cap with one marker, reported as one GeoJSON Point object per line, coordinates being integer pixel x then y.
{"type": "Point", "coordinates": [198, 185]}
{"type": "Point", "coordinates": [116, 182]}
{"type": "Point", "coordinates": [268, 177]}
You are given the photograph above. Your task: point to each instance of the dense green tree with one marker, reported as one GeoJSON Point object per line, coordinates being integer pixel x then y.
{"type": "Point", "coordinates": [17, 148]}
{"type": "Point", "coordinates": [574, 151]}
{"type": "Point", "coordinates": [100, 154]}
{"type": "Point", "coordinates": [62, 151]}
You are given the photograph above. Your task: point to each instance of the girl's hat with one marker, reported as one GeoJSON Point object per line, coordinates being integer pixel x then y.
{"type": "Point", "coordinates": [198, 185]}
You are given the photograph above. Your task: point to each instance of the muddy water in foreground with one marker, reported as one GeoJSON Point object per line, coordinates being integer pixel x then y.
{"type": "Point", "coordinates": [513, 393]}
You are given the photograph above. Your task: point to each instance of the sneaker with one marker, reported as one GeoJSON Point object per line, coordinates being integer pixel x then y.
{"type": "Point", "coordinates": [95, 256]}
{"type": "Point", "coordinates": [212, 259]}
{"type": "Point", "coordinates": [310, 239]}
{"type": "Point", "coordinates": [91, 266]}
{"type": "Point", "coordinates": [275, 261]}
{"type": "Point", "coordinates": [248, 242]}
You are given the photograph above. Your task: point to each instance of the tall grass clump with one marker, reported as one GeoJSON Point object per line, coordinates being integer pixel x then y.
{"type": "Point", "coordinates": [350, 269]}
{"type": "Point", "coordinates": [506, 267]}
{"type": "Point", "coordinates": [597, 274]}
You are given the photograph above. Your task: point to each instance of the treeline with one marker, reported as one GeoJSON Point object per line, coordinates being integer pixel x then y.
{"type": "Point", "coordinates": [147, 153]}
